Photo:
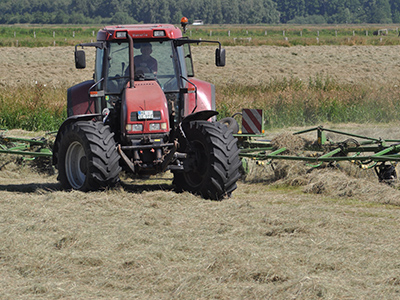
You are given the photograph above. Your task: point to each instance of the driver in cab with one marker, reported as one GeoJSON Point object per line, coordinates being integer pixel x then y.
{"type": "Point", "coordinates": [145, 62]}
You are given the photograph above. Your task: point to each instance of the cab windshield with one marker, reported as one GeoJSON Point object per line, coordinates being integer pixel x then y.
{"type": "Point", "coordinates": [152, 61]}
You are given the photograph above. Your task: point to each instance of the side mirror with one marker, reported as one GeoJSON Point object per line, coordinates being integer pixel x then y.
{"type": "Point", "coordinates": [80, 59]}
{"type": "Point", "coordinates": [220, 57]}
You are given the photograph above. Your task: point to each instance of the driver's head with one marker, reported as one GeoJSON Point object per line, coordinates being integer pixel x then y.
{"type": "Point", "coordinates": [146, 49]}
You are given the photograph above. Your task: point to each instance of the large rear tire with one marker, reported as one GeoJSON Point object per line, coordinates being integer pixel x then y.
{"type": "Point", "coordinates": [87, 157]}
{"type": "Point", "coordinates": [212, 165]}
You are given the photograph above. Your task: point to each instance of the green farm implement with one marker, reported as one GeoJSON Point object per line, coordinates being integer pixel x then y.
{"type": "Point", "coordinates": [29, 148]}
{"type": "Point", "coordinates": [379, 154]}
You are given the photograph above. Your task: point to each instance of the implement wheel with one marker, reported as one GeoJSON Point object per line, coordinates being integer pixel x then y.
{"type": "Point", "coordinates": [211, 168]}
{"type": "Point", "coordinates": [231, 123]}
{"type": "Point", "coordinates": [87, 157]}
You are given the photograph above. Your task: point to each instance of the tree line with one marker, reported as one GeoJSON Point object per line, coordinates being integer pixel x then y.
{"type": "Point", "coordinates": [210, 11]}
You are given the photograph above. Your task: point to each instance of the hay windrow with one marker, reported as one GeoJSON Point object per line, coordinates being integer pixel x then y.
{"type": "Point", "coordinates": [338, 184]}
{"type": "Point", "coordinates": [292, 143]}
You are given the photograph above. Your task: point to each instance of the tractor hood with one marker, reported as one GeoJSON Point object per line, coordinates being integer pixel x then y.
{"type": "Point", "coordinates": [145, 109]}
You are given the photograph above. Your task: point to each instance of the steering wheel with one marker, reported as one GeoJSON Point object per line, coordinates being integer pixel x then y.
{"type": "Point", "coordinates": [116, 82]}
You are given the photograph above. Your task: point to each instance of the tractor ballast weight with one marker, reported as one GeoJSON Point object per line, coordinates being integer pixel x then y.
{"type": "Point", "coordinates": [144, 112]}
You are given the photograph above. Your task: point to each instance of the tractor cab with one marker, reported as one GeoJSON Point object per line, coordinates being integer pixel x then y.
{"type": "Point", "coordinates": [136, 57]}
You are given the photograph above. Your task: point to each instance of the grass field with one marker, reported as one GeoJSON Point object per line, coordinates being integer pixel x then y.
{"type": "Point", "coordinates": [229, 35]}
{"type": "Point", "coordinates": [326, 234]}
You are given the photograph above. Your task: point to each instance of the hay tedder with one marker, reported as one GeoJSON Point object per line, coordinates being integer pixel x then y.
{"type": "Point", "coordinates": [379, 154]}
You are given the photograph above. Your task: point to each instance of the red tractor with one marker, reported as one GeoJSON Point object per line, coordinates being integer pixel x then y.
{"type": "Point", "coordinates": [144, 113]}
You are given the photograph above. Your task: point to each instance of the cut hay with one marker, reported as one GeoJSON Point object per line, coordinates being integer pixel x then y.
{"type": "Point", "coordinates": [292, 143]}
{"type": "Point", "coordinates": [338, 184]}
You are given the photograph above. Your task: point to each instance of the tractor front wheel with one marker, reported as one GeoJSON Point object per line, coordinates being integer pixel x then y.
{"type": "Point", "coordinates": [211, 168]}
{"type": "Point", "coordinates": [87, 157]}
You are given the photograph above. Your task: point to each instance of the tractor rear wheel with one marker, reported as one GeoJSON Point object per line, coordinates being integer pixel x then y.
{"type": "Point", "coordinates": [87, 157]}
{"type": "Point", "coordinates": [211, 168]}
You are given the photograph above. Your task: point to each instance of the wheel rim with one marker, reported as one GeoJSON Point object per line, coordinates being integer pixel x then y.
{"type": "Point", "coordinates": [200, 165]}
{"type": "Point", "coordinates": [76, 165]}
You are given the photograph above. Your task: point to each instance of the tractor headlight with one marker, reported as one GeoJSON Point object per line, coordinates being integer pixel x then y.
{"type": "Point", "coordinates": [134, 127]}
{"type": "Point", "coordinates": [154, 126]}
{"type": "Point", "coordinates": [158, 33]}
{"type": "Point", "coordinates": [157, 126]}
{"type": "Point", "coordinates": [120, 34]}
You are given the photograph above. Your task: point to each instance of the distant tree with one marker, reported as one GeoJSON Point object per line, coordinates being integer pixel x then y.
{"type": "Point", "coordinates": [230, 11]}
{"type": "Point", "coordinates": [121, 17]}
{"type": "Point", "coordinates": [289, 9]}
{"type": "Point", "coordinates": [77, 18]}
{"type": "Point", "coordinates": [380, 12]}
{"type": "Point", "coordinates": [218, 17]}
{"type": "Point", "coordinates": [27, 18]}
{"type": "Point", "coordinates": [313, 7]}
{"type": "Point", "coordinates": [395, 10]}
{"type": "Point", "coordinates": [271, 13]}
{"type": "Point", "coordinates": [61, 18]}
{"type": "Point", "coordinates": [210, 11]}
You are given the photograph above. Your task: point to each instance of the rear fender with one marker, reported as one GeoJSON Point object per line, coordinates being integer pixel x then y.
{"type": "Point", "coordinates": [200, 115]}
{"type": "Point", "coordinates": [78, 100]}
{"type": "Point", "coordinates": [205, 97]}
{"type": "Point", "coordinates": [68, 121]}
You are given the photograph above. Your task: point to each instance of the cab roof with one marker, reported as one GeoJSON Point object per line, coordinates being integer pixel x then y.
{"type": "Point", "coordinates": [140, 31]}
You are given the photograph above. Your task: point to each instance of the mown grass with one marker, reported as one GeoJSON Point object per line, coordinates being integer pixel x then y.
{"type": "Point", "coordinates": [293, 102]}
{"type": "Point", "coordinates": [33, 108]}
